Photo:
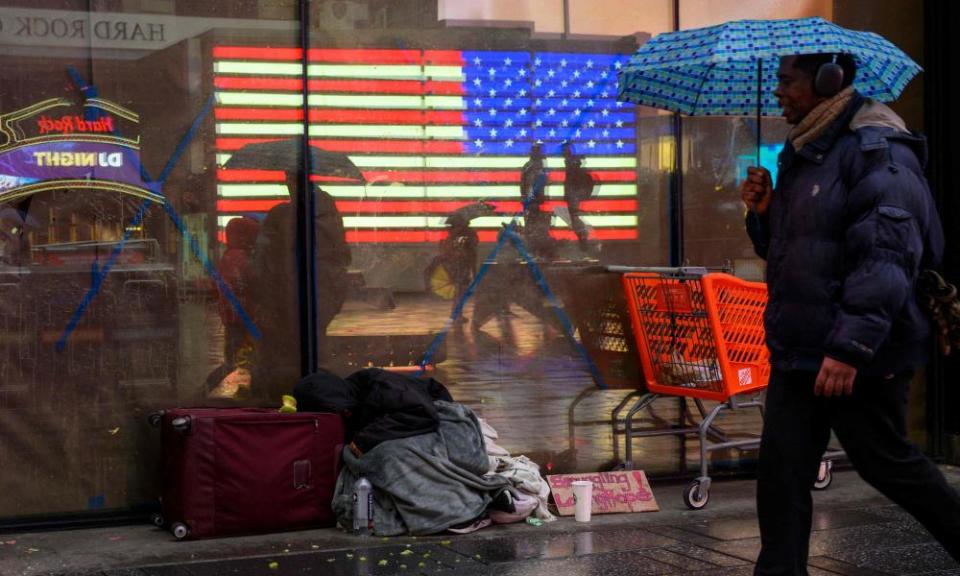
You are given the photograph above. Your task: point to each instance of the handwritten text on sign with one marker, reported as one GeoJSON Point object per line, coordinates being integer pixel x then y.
{"type": "Point", "coordinates": [626, 491]}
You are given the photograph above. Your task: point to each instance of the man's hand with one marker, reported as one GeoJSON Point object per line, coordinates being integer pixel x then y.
{"type": "Point", "coordinates": [756, 190]}
{"type": "Point", "coordinates": [834, 379]}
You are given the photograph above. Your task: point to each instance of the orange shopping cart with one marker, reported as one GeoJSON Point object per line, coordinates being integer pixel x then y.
{"type": "Point", "coordinates": [700, 335]}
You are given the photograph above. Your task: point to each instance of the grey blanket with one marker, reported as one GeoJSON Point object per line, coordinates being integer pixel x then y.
{"type": "Point", "coordinates": [423, 484]}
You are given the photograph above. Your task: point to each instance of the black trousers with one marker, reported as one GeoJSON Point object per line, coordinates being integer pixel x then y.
{"type": "Point", "coordinates": [871, 427]}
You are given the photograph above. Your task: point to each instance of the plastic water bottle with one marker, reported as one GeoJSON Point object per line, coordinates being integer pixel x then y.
{"type": "Point", "coordinates": [362, 507]}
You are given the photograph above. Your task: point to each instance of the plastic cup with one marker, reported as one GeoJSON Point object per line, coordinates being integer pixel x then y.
{"type": "Point", "coordinates": [582, 499]}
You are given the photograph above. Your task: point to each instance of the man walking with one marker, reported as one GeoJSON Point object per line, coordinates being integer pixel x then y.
{"type": "Point", "coordinates": [844, 233]}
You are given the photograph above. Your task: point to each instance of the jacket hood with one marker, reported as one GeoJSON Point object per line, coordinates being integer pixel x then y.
{"type": "Point", "coordinates": [877, 114]}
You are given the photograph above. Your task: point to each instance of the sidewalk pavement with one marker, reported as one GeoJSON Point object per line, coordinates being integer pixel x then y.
{"type": "Point", "coordinates": [857, 533]}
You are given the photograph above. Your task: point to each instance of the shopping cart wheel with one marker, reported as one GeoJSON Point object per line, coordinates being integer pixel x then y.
{"type": "Point", "coordinates": [824, 476]}
{"type": "Point", "coordinates": [695, 496]}
{"type": "Point", "coordinates": [157, 520]}
{"type": "Point", "coordinates": [180, 531]}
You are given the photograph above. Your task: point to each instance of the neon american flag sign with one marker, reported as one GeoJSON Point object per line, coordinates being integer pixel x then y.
{"type": "Point", "coordinates": [432, 131]}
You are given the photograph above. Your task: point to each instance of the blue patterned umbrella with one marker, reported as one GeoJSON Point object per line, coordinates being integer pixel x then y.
{"type": "Point", "coordinates": [720, 70]}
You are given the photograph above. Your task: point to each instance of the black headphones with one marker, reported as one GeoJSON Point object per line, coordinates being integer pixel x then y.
{"type": "Point", "coordinates": [829, 79]}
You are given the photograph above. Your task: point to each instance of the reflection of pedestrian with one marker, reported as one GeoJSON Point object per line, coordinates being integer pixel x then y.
{"type": "Point", "coordinates": [235, 270]}
{"type": "Point", "coordinates": [274, 286]}
{"type": "Point", "coordinates": [533, 190]}
{"type": "Point", "coordinates": [578, 186]}
{"type": "Point", "coordinates": [457, 257]}
{"type": "Point", "coordinates": [844, 234]}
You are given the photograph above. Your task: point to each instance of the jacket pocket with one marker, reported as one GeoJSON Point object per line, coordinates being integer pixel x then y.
{"type": "Point", "coordinates": [896, 235]}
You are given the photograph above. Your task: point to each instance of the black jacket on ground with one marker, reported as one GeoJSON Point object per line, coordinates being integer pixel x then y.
{"type": "Point", "coordinates": [850, 225]}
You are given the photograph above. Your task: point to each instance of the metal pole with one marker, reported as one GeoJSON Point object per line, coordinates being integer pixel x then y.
{"type": "Point", "coordinates": [759, 106]}
{"type": "Point", "coordinates": [306, 225]}
{"type": "Point", "coordinates": [566, 19]}
{"type": "Point", "coordinates": [676, 193]}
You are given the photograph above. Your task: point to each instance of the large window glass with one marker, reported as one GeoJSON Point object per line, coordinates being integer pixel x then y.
{"type": "Point", "coordinates": [199, 200]}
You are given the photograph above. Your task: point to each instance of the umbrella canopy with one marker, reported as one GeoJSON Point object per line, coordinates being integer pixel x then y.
{"type": "Point", "coordinates": [287, 155]}
{"type": "Point", "coordinates": [721, 70]}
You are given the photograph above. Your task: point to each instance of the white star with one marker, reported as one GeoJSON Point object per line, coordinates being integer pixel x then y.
{"type": "Point", "coordinates": [493, 132]}
{"type": "Point", "coordinates": [592, 144]}
{"type": "Point", "coordinates": [618, 65]}
{"type": "Point", "coordinates": [509, 143]}
{"type": "Point", "coordinates": [589, 63]}
{"type": "Point", "coordinates": [522, 92]}
{"type": "Point", "coordinates": [578, 133]}
{"type": "Point", "coordinates": [478, 142]}
{"type": "Point", "coordinates": [563, 83]}
{"type": "Point", "coordinates": [491, 72]}
{"type": "Point", "coordinates": [605, 132]}
{"type": "Point", "coordinates": [606, 112]}
{"type": "Point", "coordinates": [523, 132]}
{"type": "Point", "coordinates": [619, 143]}
{"type": "Point", "coordinates": [551, 93]}
{"type": "Point", "coordinates": [492, 92]}
{"type": "Point", "coordinates": [478, 123]}
{"type": "Point", "coordinates": [619, 104]}
{"type": "Point", "coordinates": [476, 81]}
{"type": "Point", "coordinates": [493, 111]}
{"type": "Point", "coordinates": [537, 62]}
{"type": "Point", "coordinates": [551, 112]}
{"type": "Point", "coordinates": [507, 62]}
{"type": "Point", "coordinates": [576, 73]}
{"type": "Point", "coordinates": [537, 82]}
{"type": "Point", "coordinates": [591, 124]}
{"type": "Point", "coordinates": [563, 102]}
{"type": "Point", "coordinates": [538, 102]}
{"type": "Point", "coordinates": [523, 112]}
{"type": "Point", "coordinates": [603, 74]}
{"type": "Point", "coordinates": [477, 102]}
{"type": "Point", "coordinates": [553, 132]}
{"type": "Point", "coordinates": [509, 102]}
{"type": "Point", "coordinates": [476, 60]}
{"type": "Point", "coordinates": [590, 103]}
{"type": "Point", "coordinates": [509, 82]}
{"type": "Point", "coordinates": [590, 84]}
{"type": "Point", "coordinates": [619, 123]}
{"type": "Point", "coordinates": [508, 123]}
{"type": "Point", "coordinates": [604, 94]}
{"type": "Point", "coordinates": [563, 63]}
{"type": "Point", "coordinates": [522, 72]}
{"type": "Point", "coordinates": [576, 112]}
{"type": "Point", "coordinates": [564, 123]}
{"type": "Point", "coordinates": [539, 123]}
{"type": "Point", "coordinates": [576, 94]}
{"type": "Point", "coordinates": [551, 73]}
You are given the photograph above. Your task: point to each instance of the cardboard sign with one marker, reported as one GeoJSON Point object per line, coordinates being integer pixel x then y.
{"type": "Point", "coordinates": [625, 491]}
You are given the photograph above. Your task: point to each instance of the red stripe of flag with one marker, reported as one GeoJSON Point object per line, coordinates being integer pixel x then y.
{"type": "Point", "coordinates": [358, 146]}
{"type": "Point", "coordinates": [425, 207]}
{"type": "Point", "coordinates": [349, 86]}
{"type": "Point", "coordinates": [482, 176]}
{"type": "Point", "coordinates": [345, 116]}
{"type": "Point", "coordinates": [443, 57]}
{"type": "Point", "coordinates": [244, 175]}
{"type": "Point", "coordinates": [418, 236]}
{"type": "Point", "coordinates": [335, 55]}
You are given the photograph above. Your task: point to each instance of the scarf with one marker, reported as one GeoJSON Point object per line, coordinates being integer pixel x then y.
{"type": "Point", "coordinates": [818, 119]}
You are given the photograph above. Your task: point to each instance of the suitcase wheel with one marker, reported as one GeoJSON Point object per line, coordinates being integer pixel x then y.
{"type": "Point", "coordinates": [157, 520]}
{"type": "Point", "coordinates": [180, 531]}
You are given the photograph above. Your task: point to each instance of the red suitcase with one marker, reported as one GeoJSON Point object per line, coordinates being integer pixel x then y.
{"type": "Point", "coordinates": [247, 470]}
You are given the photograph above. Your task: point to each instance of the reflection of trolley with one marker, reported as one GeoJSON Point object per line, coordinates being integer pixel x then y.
{"type": "Point", "coordinates": [700, 335]}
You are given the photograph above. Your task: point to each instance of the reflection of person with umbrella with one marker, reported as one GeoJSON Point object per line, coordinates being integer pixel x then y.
{"type": "Point", "coordinates": [274, 272]}
{"type": "Point", "coordinates": [844, 230]}
{"type": "Point", "coordinates": [450, 272]}
{"type": "Point", "coordinates": [577, 187]}
{"type": "Point", "coordinates": [533, 191]}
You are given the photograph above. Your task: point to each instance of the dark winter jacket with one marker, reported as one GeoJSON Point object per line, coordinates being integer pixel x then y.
{"type": "Point", "coordinates": [850, 224]}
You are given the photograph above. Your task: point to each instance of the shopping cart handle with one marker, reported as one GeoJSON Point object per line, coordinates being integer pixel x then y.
{"type": "Point", "coordinates": [686, 270]}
